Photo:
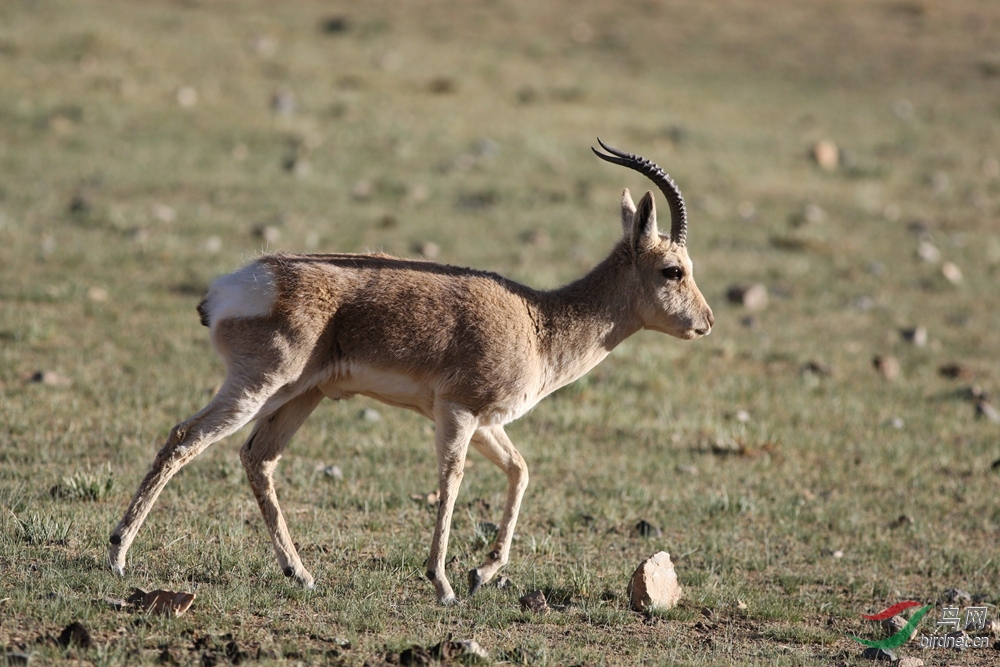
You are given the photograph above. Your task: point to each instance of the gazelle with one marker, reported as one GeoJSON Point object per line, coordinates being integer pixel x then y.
{"type": "Point", "coordinates": [468, 349]}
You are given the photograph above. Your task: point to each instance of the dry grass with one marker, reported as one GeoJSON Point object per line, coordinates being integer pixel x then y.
{"type": "Point", "coordinates": [469, 127]}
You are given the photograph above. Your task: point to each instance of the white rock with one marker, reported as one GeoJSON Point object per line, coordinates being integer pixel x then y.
{"type": "Point", "coordinates": [654, 584]}
{"type": "Point", "coordinates": [910, 662]}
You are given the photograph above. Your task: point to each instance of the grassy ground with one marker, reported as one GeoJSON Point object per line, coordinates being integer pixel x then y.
{"type": "Point", "coordinates": [141, 155]}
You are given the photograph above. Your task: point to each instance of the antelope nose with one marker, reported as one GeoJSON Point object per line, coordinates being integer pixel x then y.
{"type": "Point", "coordinates": [710, 321]}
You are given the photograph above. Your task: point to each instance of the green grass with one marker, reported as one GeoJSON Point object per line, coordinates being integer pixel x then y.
{"type": "Point", "coordinates": [118, 206]}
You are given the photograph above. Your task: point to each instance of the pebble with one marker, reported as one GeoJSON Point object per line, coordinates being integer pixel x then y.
{"type": "Point", "coordinates": [370, 415]}
{"type": "Point", "coordinates": [98, 294]}
{"type": "Point", "coordinates": [646, 529]}
{"type": "Point", "coordinates": [952, 273]}
{"type": "Point", "coordinates": [878, 654]}
{"type": "Point", "coordinates": [654, 584]}
{"type": "Point", "coordinates": [535, 602]}
{"type": "Point", "coordinates": [928, 252]}
{"type": "Point", "coordinates": [986, 410]}
{"type": "Point", "coordinates": [50, 379]}
{"type": "Point", "coordinates": [910, 662]}
{"type": "Point", "coordinates": [187, 97]}
{"type": "Point", "coordinates": [827, 154]}
{"type": "Point", "coordinates": [428, 249]}
{"type": "Point", "coordinates": [283, 102]}
{"type": "Point", "coordinates": [334, 471]}
{"type": "Point", "coordinates": [751, 297]}
{"type": "Point", "coordinates": [687, 469]}
{"type": "Point", "coordinates": [916, 335]}
{"type": "Point", "coordinates": [894, 625]}
{"type": "Point", "coordinates": [955, 595]}
{"type": "Point", "coordinates": [887, 366]}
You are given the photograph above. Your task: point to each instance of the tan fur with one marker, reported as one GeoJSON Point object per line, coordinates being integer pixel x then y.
{"type": "Point", "coordinates": [468, 349]}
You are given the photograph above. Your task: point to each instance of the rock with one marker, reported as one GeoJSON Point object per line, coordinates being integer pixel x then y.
{"type": "Point", "coordinates": [751, 297]}
{"type": "Point", "coordinates": [910, 662]}
{"type": "Point", "coordinates": [815, 367]}
{"type": "Point", "coordinates": [334, 472]}
{"type": "Point", "coordinates": [283, 102]}
{"type": "Point", "coordinates": [654, 584]}
{"type": "Point", "coordinates": [428, 249]}
{"type": "Point", "coordinates": [687, 469]}
{"type": "Point", "coordinates": [951, 272]}
{"type": "Point", "coordinates": [928, 252]}
{"type": "Point", "coordinates": [187, 97]}
{"type": "Point", "coordinates": [915, 335]}
{"type": "Point", "coordinates": [470, 647]}
{"type": "Point", "coordinates": [887, 366]}
{"type": "Point", "coordinates": [269, 233]}
{"type": "Point", "coordinates": [827, 154]}
{"type": "Point", "coordinates": [534, 602]}
{"type": "Point", "coordinates": [952, 595]}
{"type": "Point", "coordinates": [955, 371]}
{"type": "Point", "coordinates": [894, 625]}
{"type": "Point", "coordinates": [961, 639]}
{"type": "Point", "coordinates": [76, 634]}
{"type": "Point", "coordinates": [502, 583]}
{"type": "Point", "coordinates": [370, 415]}
{"type": "Point", "coordinates": [986, 410]}
{"type": "Point", "coordinates": [646, 529]}
{"type": "Point", "coordinates": [901, 521]}
{"type": "Point", "coordinates": [50, 379]}
{"type": "Point", "coordinates": [878, 654]}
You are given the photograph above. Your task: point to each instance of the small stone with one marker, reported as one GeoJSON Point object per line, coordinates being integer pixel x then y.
{"type": "Point", "coordinates": [502, 583]}
{"type": "Point", "coordinates": [687, 469]}
{"type": "Point", "coordinates": [187, 97]}
{"type": "Point", "coordinates": [98, 294]}
{"type": "Point", "coordinates": [370, 415]}
{"type": "Point", "coordinates": [838, 554]}
{"type": "Point", "coordinates": [741, 605]}
{"type": "Point", "coordinates": [899, 522]}
{"type": "Point", "coordinates": [264, 45]}
{"type": "Point", "coordinates": [283, 102]}
{"type": "Point", "coordinates": [428, 249]}
{"type": "Point", "coordinates": [269, 233]}
{"type": "Point", "coordinates": [654, 584]}
{"type": "Point", "coordinates": [534, 602]}
{"type": "Point", "coordinates": [952, 595]}
{"type": "Point", "coordinates": [164, 213]}
{"type": "Point", "coordinates": [752, 297]}
{"type": "Point", "coordinates": [442, 85]}
{"type": "Point", "coordinates": [742, 416]}
{"type": "Point", "coordinates": [928, 252]}
{"type": "Point", "coordinates": [955, 371]}
{"type": "Point", "coordinates": [815, 367]}
{"type": "Point", "coordinates": [893, 625]}
{"type": "Point", "coordinates": [910, 662]}
{"type": "Point", "coordinates": [827, 154]}
{"type": "Point", "coordinates": [334, 471]}
{"type": "Point", "coordinates": [76, 634]}
{"type": "Point", "coordinates": [961, 639]}
{"type": "Point", "coordinates": [897, 422]}
{"type": "Point", "coordinates": [951, 273]}
{"type": "Point", "coordinates": [472, 647]}
{"type": "Point", "coordinates": [362, 189]}
{"type": "Point", "coordinates": [887, 366]}
{"type": "Point", "coordinates": [213, 244]}
{"type": "Point", "coordinates": [50, 379]}
{"type": "Point", "coordinates": [646, 529]}
{"type": "Point", "coordinates": [986, 410]}
{"type": "Point", "coordinates": [878, 654]}
{"type": "Point", "coordinates": [915, 335]}
{"type": "Point", "coordinates": [746, 211]}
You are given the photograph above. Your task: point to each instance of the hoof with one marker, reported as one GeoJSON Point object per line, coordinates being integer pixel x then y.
{"type": "Point", "coordinates": [450, 601]}
{"type": "Point", "coordinates": [475, 581]}
{"type": "Point", "coordinates": [118, 569]}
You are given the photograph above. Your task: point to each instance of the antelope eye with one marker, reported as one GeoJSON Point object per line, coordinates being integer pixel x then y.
{"type": "Point", "coordinates": [673, 273]}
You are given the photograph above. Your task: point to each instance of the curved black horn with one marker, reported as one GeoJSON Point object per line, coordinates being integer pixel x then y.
{"type": "Point", "coordinates": [678, 213]}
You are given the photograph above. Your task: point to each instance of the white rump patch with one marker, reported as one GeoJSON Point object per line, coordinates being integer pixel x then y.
{"type": "Point", "coordinates": [249, 292]}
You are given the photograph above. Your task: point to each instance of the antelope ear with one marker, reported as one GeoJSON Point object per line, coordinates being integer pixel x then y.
{"type": "Point", "coordinates": [628, 213]}
{"type": "Point", "coordinates": [644, 232]}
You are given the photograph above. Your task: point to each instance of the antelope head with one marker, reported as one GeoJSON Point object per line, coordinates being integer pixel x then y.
{"type": "Point", "coordinates": [667, 298]}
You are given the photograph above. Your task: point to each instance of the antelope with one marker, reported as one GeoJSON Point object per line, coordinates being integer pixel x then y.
{"type": "Point", "coordinates": [468, 349]}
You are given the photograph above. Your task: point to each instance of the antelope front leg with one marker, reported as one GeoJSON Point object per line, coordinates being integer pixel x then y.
{"type": "Point", "coordinates": [494, 444]}
{"type": "Point", "coordinates": [454, 429]}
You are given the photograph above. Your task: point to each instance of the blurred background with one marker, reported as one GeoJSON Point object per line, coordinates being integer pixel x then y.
{"type": "Point", "coordinates": [840, 163]}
